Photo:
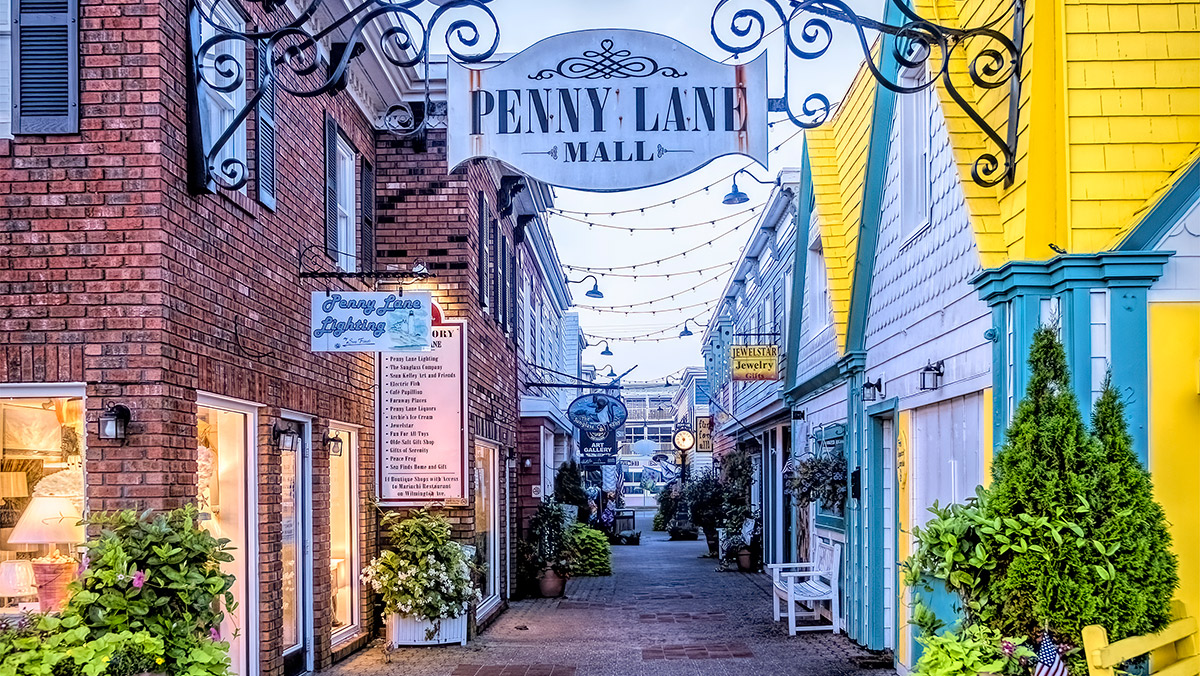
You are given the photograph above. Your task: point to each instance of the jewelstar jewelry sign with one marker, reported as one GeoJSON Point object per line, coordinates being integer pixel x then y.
{"type": "Point", "coordinates": [608, 110]}
{"type": "Point", "coordinates": [371, 321]}
{"type": "Point", "coordinates": [422, 422]}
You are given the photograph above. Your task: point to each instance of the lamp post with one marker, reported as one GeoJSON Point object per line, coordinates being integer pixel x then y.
{"type": "Point", "coordinates": [595, 290]}
{"type": "Point", "coordinates": [736, 196]}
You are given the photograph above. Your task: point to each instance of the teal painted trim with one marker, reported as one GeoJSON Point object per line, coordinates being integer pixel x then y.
{"type": "Point", "coordinates": [829, 374]}
{"type": "Point", "coordinates": [999, 376]}
{"type": "Point", "coordinates": [944, 604]}
{"type": "Point", "coordinates": [804, 210]}
{"type": "Point", "coordinates": [1077, 340]}
{"type": "Point", "coordinates": [876, 582]}
{"type": "Point", "coordinates": [1111, 268]}
{"type": "Point", "coordinates": [1131, 366]}
{"type": "Point", "coordinates": [826, 521]}
{"type": "Point", "coordinates": [1180, 197]}
{"type": "Point", "coordinates": [885, 407]}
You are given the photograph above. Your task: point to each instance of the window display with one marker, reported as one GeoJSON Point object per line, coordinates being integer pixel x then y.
{"type": "Point", "coordinates": [41, 498]}
{"type": "Point", "coordinates": [343, 531]}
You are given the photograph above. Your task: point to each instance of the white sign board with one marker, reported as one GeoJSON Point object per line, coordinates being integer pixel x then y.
{"type": "Point", "coordinates": [366, 321]}
{"type": "Point", "coordinates": [608, 110]}
{"type": "Point", "coordinates": [422, 422]}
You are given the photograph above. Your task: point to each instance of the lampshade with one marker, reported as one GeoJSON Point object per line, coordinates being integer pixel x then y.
{"type": "Point", "coordinates": [13, 485]}
{"type": "Point", "coordinates": [49, 521]}
{"type": "Point", "coordinates": [16, 578]}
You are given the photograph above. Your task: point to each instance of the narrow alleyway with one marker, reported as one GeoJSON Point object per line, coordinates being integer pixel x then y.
{"type": "Point", "coordinates": [665, 611]}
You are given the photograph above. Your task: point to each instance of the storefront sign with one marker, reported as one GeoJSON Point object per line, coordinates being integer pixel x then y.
{"type": "Point", "coordinates": [362, 321]}
{"type": "Point", "coordinates": [603, 452]}
{"type": "Point", "coordinates": [704, 434]}
{"type": "Point", "coordinates": [422, 422]}
{"type": "Point", "coordinates": [608, 110]}
{"type": "Point", "coordinates": [755, 362]}
{"type": "Point", "coordinates": [598, 415]}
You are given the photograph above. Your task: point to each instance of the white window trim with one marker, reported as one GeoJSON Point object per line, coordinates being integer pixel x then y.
{"type": "Point", "coordinates": [916, 181]}
{"type": "Point", "coordinates": [347, 244]}
{"type": "Point", "coordinates": [6, 70]}
{"type": "Point", "coordinates": [223, 106]}
{"type": "Point", "coordinates": [354, 628]}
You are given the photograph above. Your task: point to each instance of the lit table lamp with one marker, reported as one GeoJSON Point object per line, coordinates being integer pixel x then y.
{"type": "Point", "coordinates": [16, 579]}
{"type": "Point", "coordinates": [51, 520]}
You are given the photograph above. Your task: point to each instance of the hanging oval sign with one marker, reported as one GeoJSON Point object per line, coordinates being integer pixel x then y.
{"type": "Point", "coordinates": [597, 415]}
{"type": "Point", "coordinates": [607, 110]}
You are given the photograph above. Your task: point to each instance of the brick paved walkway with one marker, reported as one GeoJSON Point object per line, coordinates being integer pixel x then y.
{"type": "Point", "coordinates": [664, 612]}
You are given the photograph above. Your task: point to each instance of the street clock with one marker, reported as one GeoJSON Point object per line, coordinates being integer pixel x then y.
{"type": "Point", "coordinates": [684, 439]}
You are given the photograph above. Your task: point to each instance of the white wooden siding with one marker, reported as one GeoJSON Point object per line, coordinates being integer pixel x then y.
{"type": "Point", "coordinates": [1180, 281]}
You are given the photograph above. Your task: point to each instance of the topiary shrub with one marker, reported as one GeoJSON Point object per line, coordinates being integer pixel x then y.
{"type": "Point", "coordinates": [589, 551]}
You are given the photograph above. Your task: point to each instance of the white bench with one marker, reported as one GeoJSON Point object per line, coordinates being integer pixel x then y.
{"type": "Point", "coordinates": [808, 583]}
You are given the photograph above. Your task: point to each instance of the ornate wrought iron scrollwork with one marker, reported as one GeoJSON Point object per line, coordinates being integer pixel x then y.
{"type": "Point", "coordinates": [293, 60]}
{"type": "Point", "coordinates": [606, 63]}
{"type": "Point", "coordinates": [917, 42]}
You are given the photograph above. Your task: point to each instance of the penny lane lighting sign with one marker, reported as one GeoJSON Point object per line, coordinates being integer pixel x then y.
{"type": "Point", "coordinates": [362, 321]}
{"type": "Point", "coordinates": [755, 362]}
{"type": "Point", "coordinates": [608, 110]}
{"type": "Point", "coordinates": [422, 412]}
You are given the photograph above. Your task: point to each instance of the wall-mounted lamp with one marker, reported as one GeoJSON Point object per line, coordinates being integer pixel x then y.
{"type": "Point", "coordinates": [528, 463]}
{"type": "Point", "coordinates": [114, 422]}
{"type": "Point", "coordinates": [736, 196]}
{"type": "Point", "coordinates": [931, 375]}
{"type": "Point", "coordinates": [873, 390]}
{"type": "Point", "coordinates": [595, 292]}
{"type": "Point", "coordinates": [334, 444]}
{"type": "Point", "coordinates": [685, 332]}
{"type": "Point", "coordinates": [611, 373]}
{"type": "Point", "coordinates": [286, 435]}
{"type": "Point", "coordinates": [605, 352]}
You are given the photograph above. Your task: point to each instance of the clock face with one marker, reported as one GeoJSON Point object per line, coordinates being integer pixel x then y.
{"type": "Point", "coordinates": [684, 440]}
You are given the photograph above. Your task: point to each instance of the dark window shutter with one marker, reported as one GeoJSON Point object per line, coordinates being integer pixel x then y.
{"type": "Point", "coordinates": [367, 261]}
{"type": "Point", "coordinates": [494, 272]}
{"type": "Point", "coordinates": [481, 217]}
{"type": "Point", "coordinates": [45, 53]}
{"type": "Point", "coordinates": [264, 130]}
{"type": "Point", "coordinates": [331, 205]}
{"type": "Point", "coordinates": [512, 291]}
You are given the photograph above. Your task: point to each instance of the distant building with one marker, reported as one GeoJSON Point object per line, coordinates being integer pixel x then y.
{"type": "Point", "coordinates": [690, 405]}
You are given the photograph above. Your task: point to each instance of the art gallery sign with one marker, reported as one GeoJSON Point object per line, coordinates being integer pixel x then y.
{"type": "Point", "coordinates": [607, 110]}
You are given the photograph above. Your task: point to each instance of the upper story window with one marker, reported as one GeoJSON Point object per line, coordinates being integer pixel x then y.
{"type": "Point", "coordinates": [917, 131]}
{"type": "Point", "coordinates": [817, 286]}
{"type": "Point", "coordinates": [346, 245]}
{"type": "Point", "coordinates": [220, 107]}
{"type": "Point", "coordinates": [5, 69]}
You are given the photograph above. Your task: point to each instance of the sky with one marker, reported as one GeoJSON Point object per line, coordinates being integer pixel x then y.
{"type": "Point", "coordinates": [524, 22]}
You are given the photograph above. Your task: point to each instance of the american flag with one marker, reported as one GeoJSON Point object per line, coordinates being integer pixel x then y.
{"type": "Point", "coordinates": [1049, 662]}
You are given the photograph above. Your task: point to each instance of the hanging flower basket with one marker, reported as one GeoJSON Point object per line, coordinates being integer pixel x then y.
{"type": "Point", "coordinates": [405, 630]}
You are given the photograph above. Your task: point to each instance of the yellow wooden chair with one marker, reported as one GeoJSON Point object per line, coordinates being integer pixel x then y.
{"type": "Point", "coordinates": [1181, 637]}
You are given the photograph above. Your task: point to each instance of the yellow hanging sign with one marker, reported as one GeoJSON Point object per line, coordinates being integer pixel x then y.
{"type": "Point", "coordinates": [755, 362]}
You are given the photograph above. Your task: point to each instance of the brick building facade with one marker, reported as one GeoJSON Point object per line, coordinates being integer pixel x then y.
{"type": "Point", "coordinates": [119, 285]}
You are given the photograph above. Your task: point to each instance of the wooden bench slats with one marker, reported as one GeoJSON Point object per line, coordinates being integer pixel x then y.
{"type": "Point", "coordinates": [1185, 667]}
{"type": "Point", "coordinates": [1129, 648]}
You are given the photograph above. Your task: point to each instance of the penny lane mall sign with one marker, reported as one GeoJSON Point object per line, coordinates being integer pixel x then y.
{"type": "Point", "coordinates": [608, 110]}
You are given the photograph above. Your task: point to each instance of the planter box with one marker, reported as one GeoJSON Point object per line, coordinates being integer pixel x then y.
{"type": "Point", "coordinates": [403, 630]}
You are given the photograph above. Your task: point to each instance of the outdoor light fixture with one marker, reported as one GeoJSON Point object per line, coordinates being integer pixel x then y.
{"type": "Point", "coordinates": [595, 292]}
{"type": "Point", "coordinates": [685, 332]}
{"type": "Point", "coordinates": [605, 352]}
{"type": "Point", "coordinates": [931, 376]}
{"type": "Point", "coordinates": [611, 373]}
{"type": "Point", "coordinates": [736, 196]}
{"type": "Point", "coordinates": [333, 444]}
{"type": "Point", "coordinates": [528, 463]}
{"type": "Point", "coordinates": [286, 436]}
{"type": "Point", "coordinates": [873, 390]}
{"type": "Point", "coordinates": [114, 422]}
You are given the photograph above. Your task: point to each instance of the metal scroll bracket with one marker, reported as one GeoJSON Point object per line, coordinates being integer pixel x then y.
{"type": "Point", "coordinates": [918, 42]}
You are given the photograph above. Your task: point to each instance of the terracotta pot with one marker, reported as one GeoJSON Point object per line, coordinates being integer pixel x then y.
{"type": "Point", "coordinates": [710, 534]}
{"type": "Point", "coordinates": [52, 580]}
{"type": "Point", "coordinates": [551, 584]}
{"type": "Point", "coordinates": [745, 560]}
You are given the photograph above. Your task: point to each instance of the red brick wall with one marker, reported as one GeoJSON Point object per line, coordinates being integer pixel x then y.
{"type": "Point", "coordinates": [429, 215]}
{"type": "Point", "coordinates": [111, 273]}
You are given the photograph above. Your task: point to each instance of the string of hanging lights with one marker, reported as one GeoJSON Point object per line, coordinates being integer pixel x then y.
{"type": "Point", "coordinates": [650, 337]}
{"type": "Point", "coordinates": [663, 228]}
{"type": "Point", "coordinates": [681, 254]}
{"type": "Point", "coordinates": [651, 312]}
{"type": "Point", "coordinates": [666, 275]}
{"type": "Point", "coordinates": [681, 292]}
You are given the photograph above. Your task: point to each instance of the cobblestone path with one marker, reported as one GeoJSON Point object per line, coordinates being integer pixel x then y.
{"type": "Point", "coordinates": [664, 611]}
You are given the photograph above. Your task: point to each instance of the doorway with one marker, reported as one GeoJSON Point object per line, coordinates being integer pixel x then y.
{"type": "Point", "coordinates": [882, 532]}
{"type": "Point", "coordinates": [487, 528]}
{"type": "Point", "coordinates": [295, 459]}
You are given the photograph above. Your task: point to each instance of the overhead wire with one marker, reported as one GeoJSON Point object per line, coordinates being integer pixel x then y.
{"type": "Point", "coordinates": [656, 300]}
{"type": "Point", "coordinates": [672, 228]}
{"type": "Point", "coordinates": [666, 275]}
{"type": "Point", "coordinates": [651, 312]}
{"type": "Point", "coordinates": [681, 254]}
{"type": "Point", "coordinates": [644, 336]}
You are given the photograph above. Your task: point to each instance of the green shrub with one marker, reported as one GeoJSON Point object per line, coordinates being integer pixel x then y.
{"type": "Point", "coordinates": [972, 651]}
{"type": "Point", "coordinates": [42, 645]}
{"type": "Point", "coordinates": [590, 551]}
{"type": "Point", "coordinates": [820, 479]}
{"type": "Point", "coordinates": [548, 539]}
{"type": "Point", "coordinates": [705, 497]}
{"type": "Point", "coordinates": [568, 490]}
{"type": "Point", "coordinates": [660, 520]}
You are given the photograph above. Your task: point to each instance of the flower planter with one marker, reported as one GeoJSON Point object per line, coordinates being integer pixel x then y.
{"type": "Point", "coordinates": [745, 560]}
{"type": "Point", "coordinates": [551, 584]}
{"type": "Point", "coordinates": [403, 630]}
{"type": "Point", "coordinates": [52, 580]}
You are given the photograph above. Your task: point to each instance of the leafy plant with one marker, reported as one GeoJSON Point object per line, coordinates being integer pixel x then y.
{"type": "Point", "coordinates": [568, 489]}
{"type": "Point", "coordinates": [970, 651]}
{"type": "Point", "coordinates": [37, 645]}
{"type": "Point", "coordinates": [820, 479]}
{"type": "Point", "coordinates": [705, 497]}
{"type": "Point", "coordinates": [952, 548]}
{"type": "Point", "coordinates": [548, 536]}
{"type": "Point", "coordinates": [425, 574]}
{"type": "Point", "coordinates": [157, 573]}
{"type": "Point", "coordinates": [738, 468]}
{"type": "Point", "coordinates": [590, 551]}
{"type": "Point", "coordinates": [660, 520]}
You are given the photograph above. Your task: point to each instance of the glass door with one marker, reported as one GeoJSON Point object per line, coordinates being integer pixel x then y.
{"type": "Point", "coordinates": [293, 440]}
{"type": "Point", "coordinates": [343, 533]}
{"type": "Point", "coordinates": [487, 528]}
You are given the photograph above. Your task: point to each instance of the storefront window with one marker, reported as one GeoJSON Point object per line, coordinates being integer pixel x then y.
{"type": "Point", "coordinates": [221, 439]}
{"type": "Point", "coordinates": [41, 493]}
{"type": "Point", "coordinates": [343, 532]}
{"type": "Point", "coordinates": [487, 542]}
{"type": "Point", "coordinates": [291, 452]}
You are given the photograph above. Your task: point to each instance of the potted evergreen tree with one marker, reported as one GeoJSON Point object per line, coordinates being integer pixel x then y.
{"type": "Point", "coordinates": [550, 553]}
{"type": "Point", "coordinates": [705, 497]}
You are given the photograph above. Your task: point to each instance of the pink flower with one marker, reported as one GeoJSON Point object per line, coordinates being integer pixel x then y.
{"type": "Point", "coordinates": [1008, 647]}
{"type": "Point", "coordinates": [214, 634]}
{"type": "Point", "coordinates": [84, 563]}
{"type": "Point", "coordinates": [139, 579]}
